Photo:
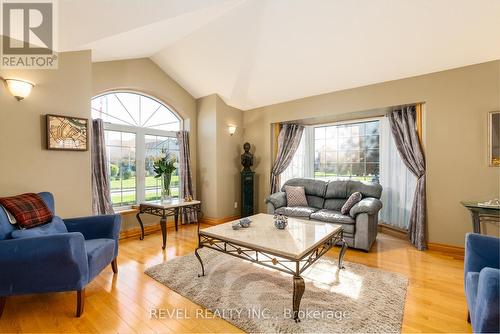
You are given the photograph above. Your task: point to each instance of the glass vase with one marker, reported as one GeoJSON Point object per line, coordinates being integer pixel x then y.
{"type": "Point", "coordinates": [165, 188]}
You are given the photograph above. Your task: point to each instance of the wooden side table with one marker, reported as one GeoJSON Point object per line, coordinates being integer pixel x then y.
{"type": "Point", "coordinates": [175, 208]}
{"type": "Point", "coordinates": [478, 212]}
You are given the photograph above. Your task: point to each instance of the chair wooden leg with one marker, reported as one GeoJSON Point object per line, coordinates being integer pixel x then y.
{"type": "Point", "coordinates": [114, 266]}
{"type": "Point", "coordinates": [2, 304]}
{"type": "Point", "coordinates": [80, 302]}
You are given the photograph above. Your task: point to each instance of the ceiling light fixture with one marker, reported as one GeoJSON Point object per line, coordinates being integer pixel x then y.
{"type": "Point", "coordinates": [19, 88]}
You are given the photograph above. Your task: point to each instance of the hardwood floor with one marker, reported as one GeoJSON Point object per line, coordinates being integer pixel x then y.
{"type": "Point", "coordinates": [123, 302]}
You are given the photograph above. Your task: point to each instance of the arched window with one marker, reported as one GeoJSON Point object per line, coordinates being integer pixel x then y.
{"type": "Point", "coordinates": [137, 129]}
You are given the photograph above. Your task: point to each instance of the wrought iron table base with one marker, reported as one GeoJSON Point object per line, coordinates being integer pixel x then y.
{"type": "Point", "coordinates": [275, 261]}
{"type": "Point", "coordinates": [298, 290]}
{"type": "Point", "coordinates": [164, 213]}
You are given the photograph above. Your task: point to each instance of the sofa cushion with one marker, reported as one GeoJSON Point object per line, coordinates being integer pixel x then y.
{"type": "Point", "coordinates": [353, 199]}
{"type": "Point", "coordinates": [29, 209]}
{"type": "Point", "coordinates": [311, 186]}
{"type": "Point", "coordinates": [344, 189]}
{"type": "Point", "coordinates": [331, 216]}
{"type": "Point", "coordinates": [335, 217]}
{"type": "Point", "coordinates": [337, 189]}
{"type": "Point", "coordinates": [296, 211]}
{"type": "Point", "coordinates": [315, 201]}
{"type": "Point", "coordinates": [367, 189]}
{"type": "Point", "coordinates": [334, 204]}
{"type": "Point", "coordinates": [295, 196]}
{"type": "Point", "coordinates": [100, 253]}
{"type": "Point", "coordinates": [335, 195]}
{"type": "Point", "coordinates": [54, 227]}
{"type": "Point", "coordinates": [314, 189]}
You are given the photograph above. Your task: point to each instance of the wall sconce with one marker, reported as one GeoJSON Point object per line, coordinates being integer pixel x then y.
{"type": "Point", "coordinates": [232, 129]}
{"type": "Point", "coordinates": [19, 88]}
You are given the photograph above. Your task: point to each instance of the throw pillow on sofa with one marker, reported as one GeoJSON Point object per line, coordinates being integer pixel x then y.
{"type": "Point", "coordinates": [295, 196]}
{"type": "Point", "coordinates": [351, 201]}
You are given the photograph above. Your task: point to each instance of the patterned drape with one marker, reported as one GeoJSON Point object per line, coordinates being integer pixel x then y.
{"type": "Point", "coordinates": [101, 191]}
{"type": "Point", "coordinates": [404, 131]}
{"type": "Point", "coordinates": [398, 181]}
{"type": "Point", "coordinates": [288, 141]}
{"type": "Point", "coordinates": [186, 183]}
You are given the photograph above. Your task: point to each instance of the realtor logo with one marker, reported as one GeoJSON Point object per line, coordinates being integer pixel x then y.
{"type": "Point", "coordinates": [28, 35]}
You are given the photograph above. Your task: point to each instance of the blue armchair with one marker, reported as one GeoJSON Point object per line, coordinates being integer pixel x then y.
{"type": "Point", "coordinates": [482, 282]}
{"type": "Point", "coordinates": [63, 255]}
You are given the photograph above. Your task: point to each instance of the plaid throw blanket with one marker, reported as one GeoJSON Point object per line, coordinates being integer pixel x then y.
{"type": "Point", "coordinates": [29, 210]}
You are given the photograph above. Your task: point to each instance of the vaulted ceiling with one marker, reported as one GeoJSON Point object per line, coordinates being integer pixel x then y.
{"type": "Point", "coordinates": [260, 52]}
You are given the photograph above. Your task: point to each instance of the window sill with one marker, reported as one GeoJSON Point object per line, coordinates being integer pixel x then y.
{"type": "Point", "coordinates": [127, 211]}
{"type": "Point", "coordinates": [130, 209]}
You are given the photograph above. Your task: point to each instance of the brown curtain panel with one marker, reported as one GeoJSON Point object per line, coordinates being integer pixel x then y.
{"type": "Point", "coordinates": [404, 132]}
{"type": "Point", "coordinates": [288, 141]}
{"type": "Point", "coordinates": [186, 182]}
{"type": "Point", "coordinates": [101, 191]}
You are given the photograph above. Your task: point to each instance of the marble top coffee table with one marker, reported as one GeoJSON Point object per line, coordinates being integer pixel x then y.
{"type": "Point", "coordinates": [291, 250]}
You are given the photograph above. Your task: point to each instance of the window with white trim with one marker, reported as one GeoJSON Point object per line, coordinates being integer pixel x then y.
{"type": "Point", "coordinates": [347, 151]}
{"type": "Point", "coordinates": [338, 151]}
{"type": "Point", "coordinates": [137, 129]}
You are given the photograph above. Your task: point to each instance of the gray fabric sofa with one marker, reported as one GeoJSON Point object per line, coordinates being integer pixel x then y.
{"type": "Point", "coordinates": [324, 201]}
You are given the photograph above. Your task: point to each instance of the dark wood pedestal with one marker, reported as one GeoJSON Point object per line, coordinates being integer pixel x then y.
{"type": "Point", "coordinates": [247, 207]}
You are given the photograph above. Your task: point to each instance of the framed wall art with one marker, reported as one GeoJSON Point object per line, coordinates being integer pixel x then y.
{"type": "Point", "coordinates": [494, 138]}
{"type": "Point", "coordinates": [67, 133]}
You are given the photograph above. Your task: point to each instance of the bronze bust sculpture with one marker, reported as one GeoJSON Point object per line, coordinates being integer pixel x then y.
{"type": "Point", "coordinates": [247, 158]}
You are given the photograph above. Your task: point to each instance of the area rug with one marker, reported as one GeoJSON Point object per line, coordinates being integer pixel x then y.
{"type": "Point", "coordinates": [256, 299]}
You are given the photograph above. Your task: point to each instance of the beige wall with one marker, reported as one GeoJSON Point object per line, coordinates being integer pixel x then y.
{"type": "Point", "coordinates": [145, 76]}
{"type": "Point", "coordinates": [229, 149]}
{"type": "Point", "coordinates": [26, 164]}
{"type": "Point", "coordinates": [207, 155]}
{"type": "Point", "coordinates": [219, 155]}
{"type": "Point", "coordinates": [455, 136]}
